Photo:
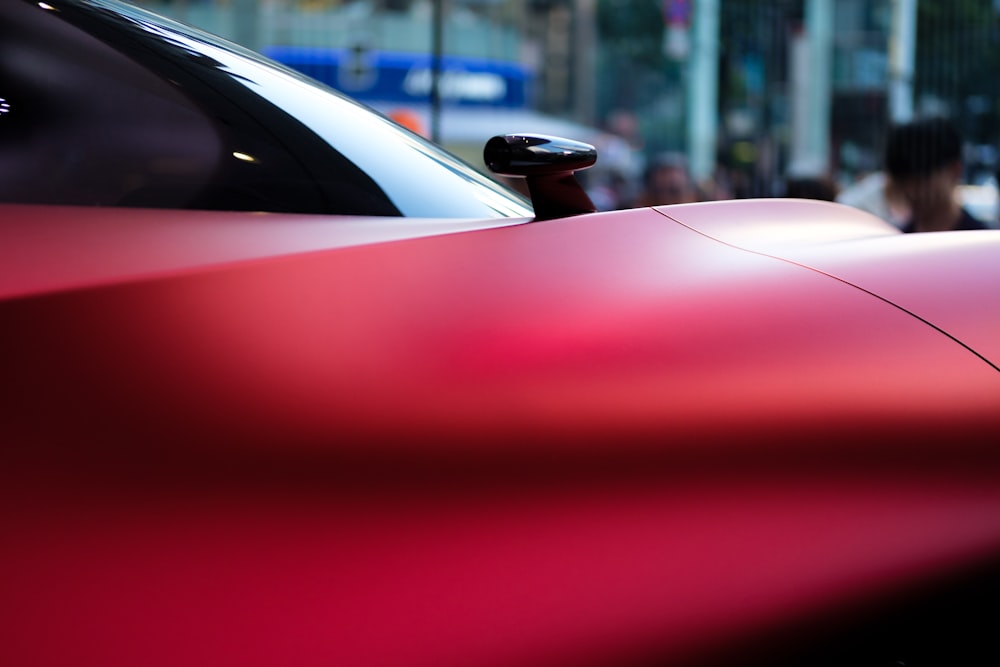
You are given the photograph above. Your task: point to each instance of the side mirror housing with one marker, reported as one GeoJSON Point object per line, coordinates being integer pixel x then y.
{"type": "Point", "coordinates": [548, 164]}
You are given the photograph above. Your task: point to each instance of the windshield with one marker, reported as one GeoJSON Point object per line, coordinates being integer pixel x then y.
{"type": "Point", "coordinates": [126, 108]}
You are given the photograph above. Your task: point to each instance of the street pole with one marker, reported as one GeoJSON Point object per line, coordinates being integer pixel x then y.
{"type": "Point", "coordinates": [703, 89]}
{"type": "Point", "coordinates": [811, 67]}
{"type": "Point", "coordinates": [246, 14]}
{"type": "Point", "coordinates": [583, 59]}
{"type": "Point", "coordinates": [437, 57]}
{"type": "Point", "coordinates": [902, 54]}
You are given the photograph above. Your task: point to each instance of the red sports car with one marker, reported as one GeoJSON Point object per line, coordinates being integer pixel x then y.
{"type": "Point", "coordinates": [285, 385]}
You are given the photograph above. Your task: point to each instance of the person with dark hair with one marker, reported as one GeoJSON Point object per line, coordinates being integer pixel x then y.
{"type": "Point", "coordinates": [811, 187]}
{"type": "Point", "coordinates": [923, 160]}
{"type": "Point", "coordinates": [808, 178]}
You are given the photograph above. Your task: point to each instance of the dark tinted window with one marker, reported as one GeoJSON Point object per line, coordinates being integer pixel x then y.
{"type": "Point", "coordinates": [105, 105]}
{"type": "Point", "coordinates": [88, 126]}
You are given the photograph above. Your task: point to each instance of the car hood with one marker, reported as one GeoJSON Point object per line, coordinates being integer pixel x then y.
{"type": "Point", "coordinates": [550, 444]}
{"type": "Point", "coordinates": [937, 277]}
{"type": "Point", "coordinates": [551, 331]}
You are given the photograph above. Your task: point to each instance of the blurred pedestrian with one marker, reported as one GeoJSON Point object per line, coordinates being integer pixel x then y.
{"type": "Point", "coordinates": [667, 180]}
{"type": "Point", "coordinates": [875, 193]}
{"type": "Point", "coordinates": [608, 189]}
{"type": "Point", "coordinates": [923, 160]}
{"type": "Point", "coordinates": [621, 148]}
{"type": "Point", "coordinates": [810, 187]}
{"type": "Point", "coordinates": [808, 179]}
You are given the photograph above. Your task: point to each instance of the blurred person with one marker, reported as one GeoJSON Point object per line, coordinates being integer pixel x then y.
{"type": "Point", "coordinates": [808, 179]}
{"type": "Point", "coordinates": [923, 160]}
{"type": "Point", "coordinates": [609, 191]}
{"type": "Point", "coordinates": [810, 187]}
{"type": "Point", "coordinates": [667, 180]}
{"type": "Point", "coordinates": [621, 150]}
{"type": "Point", "coordinates": [875, 194]}
{"type": "Point", "coordinates": [623, 123]}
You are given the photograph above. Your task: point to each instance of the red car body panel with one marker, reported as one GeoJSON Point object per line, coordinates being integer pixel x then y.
{"type": "Point", "coordinates": [585, 441]}
{"type": "Point", "coordinates": [52, 248]}
{"type": "Point", "coordinates": [943, 279]}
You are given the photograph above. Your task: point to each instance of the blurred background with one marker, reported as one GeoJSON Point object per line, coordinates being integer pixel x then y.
{"type": "Point", "coordinates": [751, 93]}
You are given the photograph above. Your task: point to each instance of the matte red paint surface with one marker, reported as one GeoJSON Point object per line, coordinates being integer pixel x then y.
{"type": "Point", "coordinates": [575, 442]}
{"type": "Point", "coordinates": [579, 575]}
{"type": "Point", "coordinates": [50, 248]}
{"type": "Point", "coordinates": [942, 278]}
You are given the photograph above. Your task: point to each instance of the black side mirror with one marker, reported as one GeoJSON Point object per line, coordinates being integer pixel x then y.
{"type": "Point", "coordinates": [548, 164]}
